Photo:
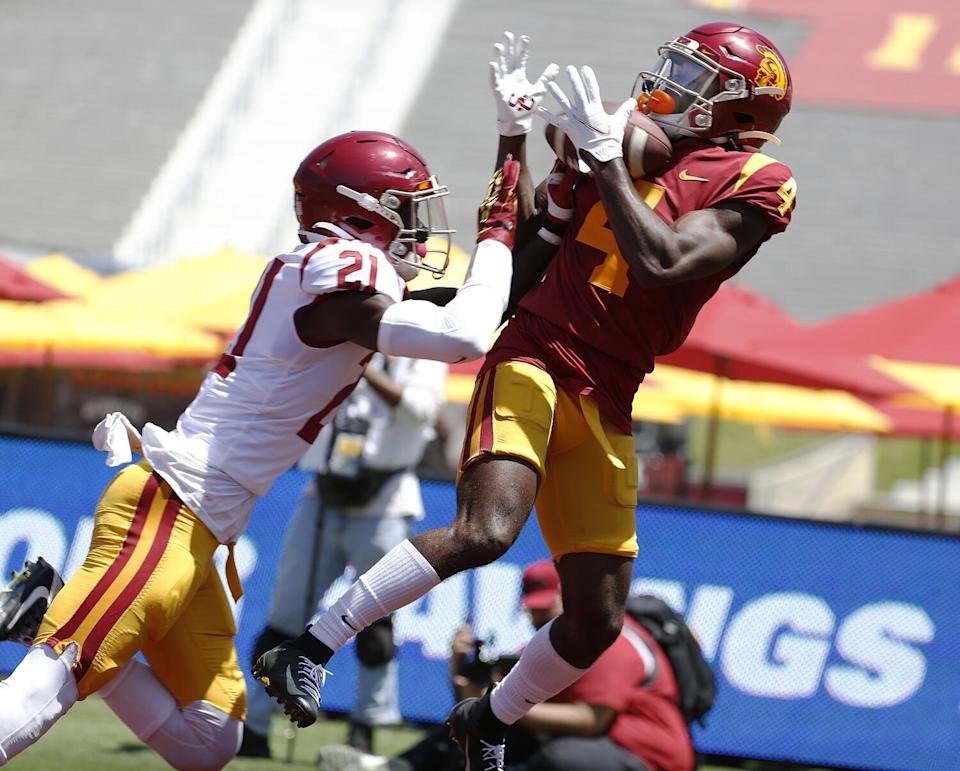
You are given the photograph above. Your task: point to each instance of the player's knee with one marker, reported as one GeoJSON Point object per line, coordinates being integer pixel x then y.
{"type": "Point", "coordinates": [375, 645]}
{"type": "Point", "coordinates": [481, 545]}
{"type": "Point", "coordinates": [486, 537]}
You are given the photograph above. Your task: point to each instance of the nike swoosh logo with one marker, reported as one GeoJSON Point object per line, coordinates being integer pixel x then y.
{"type": "Point", "coordinates": [39, 593]}
{"type": "Point", "coordinates": [292, 685]}
{"type": "Point", "coordinates": [690, 177]}
{"type": "Point", "coordinates": [534, 703]}
{"type": "Point", "coordinates": [343, 618]}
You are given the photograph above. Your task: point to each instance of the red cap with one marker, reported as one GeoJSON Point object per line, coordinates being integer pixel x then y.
{"type": "Point", "coordinates": [541, 585]}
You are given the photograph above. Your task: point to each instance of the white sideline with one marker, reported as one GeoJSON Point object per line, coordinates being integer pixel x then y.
{"type": "Point", "coordinates": [298, 72]}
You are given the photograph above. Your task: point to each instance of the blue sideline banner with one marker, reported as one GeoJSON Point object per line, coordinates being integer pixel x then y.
{"type": "Point", "coordinates": [832, 645]}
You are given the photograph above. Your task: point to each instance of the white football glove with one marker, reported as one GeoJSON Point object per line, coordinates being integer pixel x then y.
{"type": "Point", "coordinates": [516, 97]}
{"type": "Point", "coordinates": [586, 121]}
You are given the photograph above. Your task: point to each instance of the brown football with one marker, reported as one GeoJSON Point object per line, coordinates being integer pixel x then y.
{"type": "Point", "coordinates": [646, 149]}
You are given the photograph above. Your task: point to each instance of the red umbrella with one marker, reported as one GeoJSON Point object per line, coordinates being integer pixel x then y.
{"type": "Point", "coordinates": [724, 341]}
{"type": "Point", "coordinates": [15, 284]}
{"type": "Point", "coordinates": [920, 327]}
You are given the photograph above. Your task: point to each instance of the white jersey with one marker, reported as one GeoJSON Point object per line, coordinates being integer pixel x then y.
{"type": "Point", "coordinates": [266, 400]}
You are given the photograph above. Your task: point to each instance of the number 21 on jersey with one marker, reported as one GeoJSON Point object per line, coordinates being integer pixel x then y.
{"type": "Point", "coordinates": [612, 275]}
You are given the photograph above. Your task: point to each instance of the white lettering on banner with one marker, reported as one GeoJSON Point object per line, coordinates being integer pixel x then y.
{"type": "Point", "coordinates": [498, 616]}
{"type": "Point", "coordinates": [433, 620]}
{"type": "Point", "coordinates": [887, 670]}
{"type": "Point", "coordinates": [707, 616]}
{"type": "Point", "coordinates": [777, 645]}
{"type": "Point", "coordinates": [38, 529]}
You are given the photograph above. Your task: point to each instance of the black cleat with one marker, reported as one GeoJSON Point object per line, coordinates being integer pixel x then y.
{"type": "Point", "coordinates": [293, 680]}
{"type": "Point", "coordinates": [480, 735]}
{"type": "Point", "coordinates": [25, 599]}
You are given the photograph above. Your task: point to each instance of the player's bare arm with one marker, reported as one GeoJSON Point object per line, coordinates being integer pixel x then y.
{"type": "Point", "coordinates": [698, 244]}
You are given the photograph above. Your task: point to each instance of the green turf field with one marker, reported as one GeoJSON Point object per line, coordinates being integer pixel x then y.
{"type": "Point", "coordinates": [91, 738]}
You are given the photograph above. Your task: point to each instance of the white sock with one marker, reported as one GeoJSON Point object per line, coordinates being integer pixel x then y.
{"type": "Point", "coordinates": [400, 577]}
{"type": "Point", "coordinates": [40, 690]}
{"type": "Point", "coordinates": [540, 674]}
{"type": "Point", "coordinates": [199, 736]}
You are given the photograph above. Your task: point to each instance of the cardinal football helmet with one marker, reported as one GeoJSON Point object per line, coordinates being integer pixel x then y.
{"type": "Point", "coordinates": [718, 80]}
{"type": "Point", "coordinates": [379, 190]}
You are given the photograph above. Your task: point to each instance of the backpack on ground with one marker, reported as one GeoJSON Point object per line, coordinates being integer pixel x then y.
{"type": "Point", "coordinates": [695, 678]}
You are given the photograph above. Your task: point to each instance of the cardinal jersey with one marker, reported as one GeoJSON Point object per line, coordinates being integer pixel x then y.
{"type": "Point", "coordinates": [592, 327]}
{"type": "Point", "coordinates": [267, 398]}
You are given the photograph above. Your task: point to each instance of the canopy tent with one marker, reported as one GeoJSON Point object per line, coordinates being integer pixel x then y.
{"type": "Point", "coordinates": [170, 315]}
{"type": "Point", "coordinates": [818, 409]}
{"type": "Point", "coordinates": [210, 292]}
{"type": "Point", "coordinates": [742, 335]}
{"type": "Point", "coordinates": [920, 328]}
{"type": "Point", "coordinates": [723, 341]}
{"type": "Point", "coordinates": [938, 383]}
{"type": "Point", "coordinates": [63, 274]}
{"type": "Point", "coordinates": [18, 285]}
{"type": "Point", "coordinates": [65, 334]}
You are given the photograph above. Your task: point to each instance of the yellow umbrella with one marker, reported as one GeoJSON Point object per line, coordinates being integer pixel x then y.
{"type": "Point", "coordinates": [64, 333]}
{"type": "Point", "coordinates": [60, 272]}
{"type": "Point", "coordinates": [701, 393]}
{"type": "Point", "coordinates": [208, 292]}
{"type": "Point", "coordinates": [937, 382]}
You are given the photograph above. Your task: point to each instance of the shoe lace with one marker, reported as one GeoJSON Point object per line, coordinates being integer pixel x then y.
{"type": "Point", "coordinates": [492, 755]}
{"type": "Point", "coordinates": [312, 676]}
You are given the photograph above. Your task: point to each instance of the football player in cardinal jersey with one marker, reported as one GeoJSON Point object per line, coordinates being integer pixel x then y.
{"type": "Point", "coordinates": [633, 263]}
{"type": "Point", "coordinates": [370, 217]}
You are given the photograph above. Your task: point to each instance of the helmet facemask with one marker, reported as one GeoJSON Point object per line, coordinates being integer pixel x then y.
{"type": "Point", "coordinates": [422, 240]}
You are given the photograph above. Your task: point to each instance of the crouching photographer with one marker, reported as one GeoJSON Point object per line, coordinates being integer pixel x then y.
{"type": "Point", "coordinates": [627, 713]}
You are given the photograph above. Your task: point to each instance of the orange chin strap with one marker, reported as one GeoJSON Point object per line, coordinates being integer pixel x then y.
{"type": "Point", "coordinates": [659, 102]}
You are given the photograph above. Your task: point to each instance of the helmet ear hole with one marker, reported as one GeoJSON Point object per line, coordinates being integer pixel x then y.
{"type": "Point", "coordinates": [744, 118]}
{"type": "Point", "coordinates": [359, 224]}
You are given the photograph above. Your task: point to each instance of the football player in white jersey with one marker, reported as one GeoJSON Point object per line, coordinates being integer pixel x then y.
{"type": "Point", "coordinates": [371, 217]}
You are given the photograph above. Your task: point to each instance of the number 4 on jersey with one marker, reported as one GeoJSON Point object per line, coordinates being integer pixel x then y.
{"type": "Point", "coordinates": [612, 275]}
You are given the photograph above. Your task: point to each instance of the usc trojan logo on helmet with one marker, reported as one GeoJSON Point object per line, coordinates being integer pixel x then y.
{"type": "Point", "coordinates": [771, 71]}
